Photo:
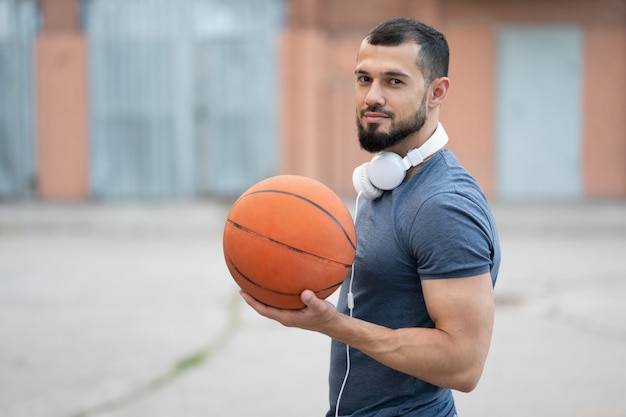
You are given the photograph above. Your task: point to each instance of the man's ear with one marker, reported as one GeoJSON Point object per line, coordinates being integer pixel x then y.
{"type": "Point", "coordinates": [438, 91]}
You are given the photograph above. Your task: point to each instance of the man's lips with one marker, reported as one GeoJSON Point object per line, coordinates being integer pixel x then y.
{"type": "Point", "coordinates": [374, 117]}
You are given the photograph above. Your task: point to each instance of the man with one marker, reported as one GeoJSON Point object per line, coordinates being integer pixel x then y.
{"type": "Point", "coordinates": [415, 320]}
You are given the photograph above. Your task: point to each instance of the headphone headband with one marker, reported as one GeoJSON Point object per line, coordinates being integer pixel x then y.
{"type": "Point", "coordinates": [434, 143]}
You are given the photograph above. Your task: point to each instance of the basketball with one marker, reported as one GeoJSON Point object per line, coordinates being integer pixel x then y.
{"type": "Point", "coordinates": [286, 234]}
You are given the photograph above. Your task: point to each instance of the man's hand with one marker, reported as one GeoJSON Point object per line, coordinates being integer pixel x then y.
{"type": "Point", "coordinates": [317, 315]}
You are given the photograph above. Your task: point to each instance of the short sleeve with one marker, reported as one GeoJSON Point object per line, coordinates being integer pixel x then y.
{"type": "Point", "coordinates": [450, 238]}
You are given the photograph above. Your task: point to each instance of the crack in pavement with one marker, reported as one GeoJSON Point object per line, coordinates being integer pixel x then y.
{"type": "Point", "coordinates": [185, 364]}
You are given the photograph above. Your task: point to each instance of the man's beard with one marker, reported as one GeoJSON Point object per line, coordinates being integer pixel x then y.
{"type": "Point", "coordinates": [372, 140]}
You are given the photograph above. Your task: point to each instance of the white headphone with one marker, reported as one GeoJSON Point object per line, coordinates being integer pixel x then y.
{"type": "Point", "coordinates": [387, 170]}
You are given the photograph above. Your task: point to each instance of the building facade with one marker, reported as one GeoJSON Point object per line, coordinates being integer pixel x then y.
{"type": "Point", "coordinates": [156, 100]}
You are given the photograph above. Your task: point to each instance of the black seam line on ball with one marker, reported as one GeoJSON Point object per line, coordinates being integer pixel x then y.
{"type": "Point", "coordinates": [329, 214]}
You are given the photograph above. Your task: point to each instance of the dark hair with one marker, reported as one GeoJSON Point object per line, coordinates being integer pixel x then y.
{"type": "Point", "coordinates": [434, 55]}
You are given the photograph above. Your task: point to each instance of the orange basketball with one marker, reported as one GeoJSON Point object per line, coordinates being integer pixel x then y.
{"type": "Point", "coordinates": [286, 234]}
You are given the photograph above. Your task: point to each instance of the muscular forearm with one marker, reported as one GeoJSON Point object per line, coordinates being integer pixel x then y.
{"type": "Point", "coordinates": [428, 354]}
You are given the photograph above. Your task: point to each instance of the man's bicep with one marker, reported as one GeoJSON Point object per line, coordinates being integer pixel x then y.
{"type": "Point", "coordinates": [462, 307]}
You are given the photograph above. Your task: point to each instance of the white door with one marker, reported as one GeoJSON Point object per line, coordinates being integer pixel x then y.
{"type": "Point", "coordinates": [539, 115]}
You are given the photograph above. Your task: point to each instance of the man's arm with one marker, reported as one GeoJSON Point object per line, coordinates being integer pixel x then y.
{"type": "Point", "coordinates": [450, 355]}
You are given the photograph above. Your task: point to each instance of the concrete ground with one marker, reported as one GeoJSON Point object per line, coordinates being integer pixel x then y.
{"type": "Point", "coordinates": [128, 310]}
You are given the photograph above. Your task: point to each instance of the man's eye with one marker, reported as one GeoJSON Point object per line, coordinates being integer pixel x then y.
{"type": "Point", "coordinates": [395, 81]}
{"type": "Point", "coordinates": [363, 79]}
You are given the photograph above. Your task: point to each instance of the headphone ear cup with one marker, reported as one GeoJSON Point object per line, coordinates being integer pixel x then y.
{"type": "Point", "coordinates": [362, 183]}
{"type": "Point", "coordinates": [386, 170]}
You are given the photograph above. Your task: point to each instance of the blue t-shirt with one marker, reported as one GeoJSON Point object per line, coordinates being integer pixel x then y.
{"type": "Point", "coordinates": [436, 225]}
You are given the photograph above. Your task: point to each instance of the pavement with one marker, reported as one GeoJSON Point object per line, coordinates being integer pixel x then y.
{"type": "Point", "coordinates": [128, 310]}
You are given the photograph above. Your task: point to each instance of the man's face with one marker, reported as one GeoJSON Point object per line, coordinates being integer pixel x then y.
{"type": "Point", "coordinates": [390, 95]}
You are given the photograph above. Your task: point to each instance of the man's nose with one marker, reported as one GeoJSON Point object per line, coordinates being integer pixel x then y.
{"type": "Point", "coordinates": [375, 96]}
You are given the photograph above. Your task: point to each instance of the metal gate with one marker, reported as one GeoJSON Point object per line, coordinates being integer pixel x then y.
{"type": "Point", "coordinates": [18, 26]}
{"type": "Point", "coordinates": [183, 96]}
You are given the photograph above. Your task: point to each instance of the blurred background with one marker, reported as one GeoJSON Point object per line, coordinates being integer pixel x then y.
{"type": "Point", "coordinates": [127, 127]}
{"type": "Point", "coordinates": [151, 99]}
